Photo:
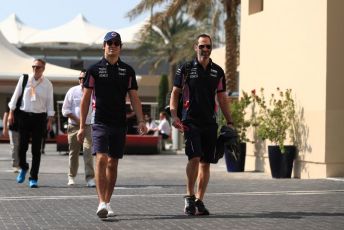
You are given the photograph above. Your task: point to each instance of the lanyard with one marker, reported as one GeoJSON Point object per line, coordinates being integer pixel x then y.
{"type": "Point", "coordinates": [33, 87]}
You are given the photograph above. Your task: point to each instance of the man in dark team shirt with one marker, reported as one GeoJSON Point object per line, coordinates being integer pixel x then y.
{"type": "Point", "coordinates": [108, 82]}
{"type": "Point", "coordinates": [205, 80]}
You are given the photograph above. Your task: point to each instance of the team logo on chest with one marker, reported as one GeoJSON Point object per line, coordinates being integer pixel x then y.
{"type": "Point", "coordinates": [193, 73]}
{"type": "Point", "coordinates": [213, 73]}
{"type": "Point", "coordinates": [103, 72]}
{"type": "Point", "coordinates": [122, 72]}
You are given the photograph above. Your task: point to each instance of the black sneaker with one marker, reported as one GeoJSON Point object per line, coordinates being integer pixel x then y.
{"type": "Point", "coordinates": [201, 209]}
{"type": "Point", "coordinates": [190, 208]}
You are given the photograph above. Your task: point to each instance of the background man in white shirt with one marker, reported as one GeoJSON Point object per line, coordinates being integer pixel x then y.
{"type": "Point", "coordinates": [37, 106]}
{"type": "Point", "coordinates": [71, 109]}
{"type": "Point", "coordinates": [164, 128]}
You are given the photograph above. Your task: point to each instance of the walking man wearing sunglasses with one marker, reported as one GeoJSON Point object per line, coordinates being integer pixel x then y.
{"type": "Point", "coordinates": [71, 109]}
{"type": "Point", "coordinates": [36, 107]}
{"type": "Point", "coordinates": [108, 82]}
{"type": "Point", "coordinates": [204, 82]}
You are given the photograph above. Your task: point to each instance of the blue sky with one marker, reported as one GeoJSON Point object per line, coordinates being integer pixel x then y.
{"type": "Point", "coordinates": [46, 14]}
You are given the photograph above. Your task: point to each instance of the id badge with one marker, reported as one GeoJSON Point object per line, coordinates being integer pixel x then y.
{"type": "Point", "coordinates": [33, 97]}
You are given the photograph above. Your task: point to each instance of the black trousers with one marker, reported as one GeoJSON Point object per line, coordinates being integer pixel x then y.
{"type": "Point", "coordinates": [31, 125]}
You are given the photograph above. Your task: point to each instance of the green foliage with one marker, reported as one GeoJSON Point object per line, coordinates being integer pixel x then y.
{"type": "Point", "coordinates": [238, 112]}
{"type": "Point", "coordinates": [163, 40]}
{"type": "Point", "coordinates": [274, 120]}
{"type": "Point", "coordinates": [163, 90]}
{"type": "Point", "coordinates": [238, 109]}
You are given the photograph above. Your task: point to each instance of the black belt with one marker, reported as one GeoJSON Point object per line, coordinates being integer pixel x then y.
{"type": "Point", "coordinates": [35, 114]}
{"type": "Point", "coordinates": [78, 125]}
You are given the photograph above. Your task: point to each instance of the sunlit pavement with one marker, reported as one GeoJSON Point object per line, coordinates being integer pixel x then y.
{"type": "Point", "coordinates": [150, 194]}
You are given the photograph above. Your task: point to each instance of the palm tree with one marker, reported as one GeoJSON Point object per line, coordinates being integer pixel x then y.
{"type": "Point", "coordinates": [165, 41]}
{"type": "Point", "coordinates": [163, 91]}
{"type": "Point", "coordinates": [199, 10]}
{"type": "Point", "coordinates": [232, 42]}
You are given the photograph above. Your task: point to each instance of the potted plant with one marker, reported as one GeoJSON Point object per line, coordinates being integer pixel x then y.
{"type": "Point", "coordinates": [273, 122]}
{"type": "Point", "coordinates": [236, 162]}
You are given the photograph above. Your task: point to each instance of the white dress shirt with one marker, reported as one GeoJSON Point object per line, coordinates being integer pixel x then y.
{"type": "Point", "coordinates": [42, 102]}
{"type": "Point", "coordinates": [164, 127]}
{"type": "Point", "coordinates": [151, 126]}
{"type": "Point", "coordinates": [71, 105]}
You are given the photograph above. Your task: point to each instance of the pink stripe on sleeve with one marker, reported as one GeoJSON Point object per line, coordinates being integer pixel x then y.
{"type": "Point", "coordinates": [91, 82]}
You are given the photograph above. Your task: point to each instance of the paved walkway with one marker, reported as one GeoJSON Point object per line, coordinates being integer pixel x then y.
{"type": "Point", "coordinates": [149, 196]}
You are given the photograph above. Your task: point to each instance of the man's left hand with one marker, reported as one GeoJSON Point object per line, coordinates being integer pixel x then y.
{"type": "Point", "coordinates": [142, 129]}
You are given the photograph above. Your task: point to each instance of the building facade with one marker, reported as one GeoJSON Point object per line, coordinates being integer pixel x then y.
{"type": "Point", "coordinates": [298, 45]}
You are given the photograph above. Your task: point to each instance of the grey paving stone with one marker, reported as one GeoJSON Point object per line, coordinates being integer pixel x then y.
{"type": "Point", "coordinates": [150, 193]}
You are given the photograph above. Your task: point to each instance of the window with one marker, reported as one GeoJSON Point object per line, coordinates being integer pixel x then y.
{"type": "Point", "coordinates": [255, 6]}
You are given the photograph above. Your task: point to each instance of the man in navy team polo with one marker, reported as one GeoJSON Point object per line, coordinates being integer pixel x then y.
{"type": "Point", "coordinates": [108, 82]}
{"type": "Point", "coordinates": [204, 82]}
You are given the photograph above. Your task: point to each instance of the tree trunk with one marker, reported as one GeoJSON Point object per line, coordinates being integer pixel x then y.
{"type": "Point", "coordinates": [171, 72]}
{"type": "Point", "coordinates": [231, 36]}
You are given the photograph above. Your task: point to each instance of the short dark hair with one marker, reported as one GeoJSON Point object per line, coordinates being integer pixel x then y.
{"type": "Point", "coordinates": [40, 60]}
{"type": "Point", "coordinates": [163, 113]}
{"type": "Point", "coordinates": [83, 70]}
{"type": "Point", "coordinates": [204, 36]}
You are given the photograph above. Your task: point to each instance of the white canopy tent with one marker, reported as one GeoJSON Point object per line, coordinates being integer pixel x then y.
{"type": "Point", "coordinates": [15, 30]}
{"type": "Point", "coordinates": [78, 31]}
{"type": "Point", "coordinates": [77, 34]}
{"type": "Point", "coordinates": [14, 63]}
{"type": "Point", "coordinates": [128, 35]}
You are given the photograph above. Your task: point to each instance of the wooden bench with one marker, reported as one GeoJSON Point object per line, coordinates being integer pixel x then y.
{"type": "Point", "coordinates": [135, 144]}
{"type": "Point", "coordinates": [143, 144]}
{"type": "Point", "coordinates": [62, 143]}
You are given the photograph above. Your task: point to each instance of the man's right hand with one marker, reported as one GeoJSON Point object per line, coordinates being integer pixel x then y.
{"type": "Point", "coordinates": [81, 135]}
{"type": "Point", "coordinates": [176, 122]}
{"type": "Point", "coordinates": [10, 118]}
{"type": "Point", "coordinates": [5, 132]}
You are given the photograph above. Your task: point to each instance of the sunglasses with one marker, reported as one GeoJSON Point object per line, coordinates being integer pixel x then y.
{"type": "Point", "coordinates": [81, 78]}
{"type": "Point", "coordinates": [202, 46]}
{"type": "Point", "coordinates": [37, 67]}
{"type": "Point", "coordinates": [110, 43]}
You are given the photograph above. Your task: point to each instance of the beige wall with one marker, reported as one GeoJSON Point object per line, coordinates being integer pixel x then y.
{"type": "Point", "coordinates": [287, 45]}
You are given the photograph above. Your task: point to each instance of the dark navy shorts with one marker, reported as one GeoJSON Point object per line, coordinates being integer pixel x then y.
{"type": "Point", "coordinates": [200, 141]}
{"type": "Point", "coordinates": [108, 139]}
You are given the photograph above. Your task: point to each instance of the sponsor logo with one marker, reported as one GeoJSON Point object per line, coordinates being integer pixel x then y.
{"type": "Point", "coordinates": [103, 72]}
{"type": "Point", "coordinates": [193, 73]}
{"type": "Point", "coordinates": [122, 72]}
{"type": "Point", "coordinates": [213, 73]}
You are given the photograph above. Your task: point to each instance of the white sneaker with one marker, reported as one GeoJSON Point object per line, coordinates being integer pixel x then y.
{"type": "Point", "coordinates": [91, 183]}
{"type": "Point", "coordinates": [110, 211]}
{"type": "Point", "coordinates": [71, 181]}
{"type": "Point", "coordinates": [102, 211]}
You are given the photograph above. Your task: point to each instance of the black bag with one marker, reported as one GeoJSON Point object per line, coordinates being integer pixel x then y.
{"type": "Point", "coordinates": [16, 112]}
{"type": "Point", "coordinates": [227, 140]}
{"type": "Point", "coordinates": [180, 98]}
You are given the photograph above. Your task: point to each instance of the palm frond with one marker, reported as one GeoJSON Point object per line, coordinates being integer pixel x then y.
{"type": "Point", "coordinates": [142, 7]}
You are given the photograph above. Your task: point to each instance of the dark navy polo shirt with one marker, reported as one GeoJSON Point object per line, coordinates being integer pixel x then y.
{"type": "Point", "coordinates": [200, 90]}
{"type": "Point", "coordinates": [110, 84]}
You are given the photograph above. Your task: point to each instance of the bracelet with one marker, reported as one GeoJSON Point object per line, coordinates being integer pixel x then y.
{"type": "Point", "coordinates": [229, 123]}
{"type": "Point", "coordinates": [142, 121]}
